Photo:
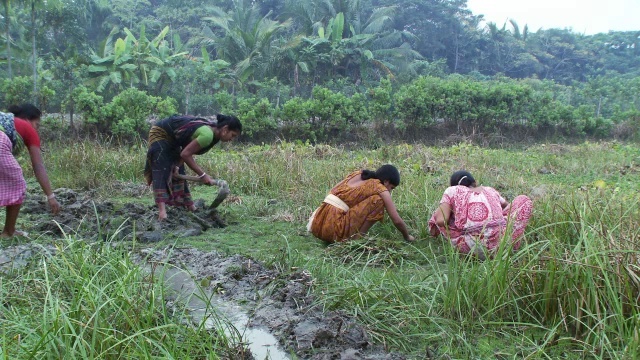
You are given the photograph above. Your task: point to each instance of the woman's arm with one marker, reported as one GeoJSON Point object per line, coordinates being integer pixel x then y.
{"type": "Point", "coordinates": [43, 179]}
{"type": "Point", "coordinates": [187, 157]}
{"type": "Point", "coordinates": [395, 217]}
{"type": "Point", "coordinates": [441, 217]}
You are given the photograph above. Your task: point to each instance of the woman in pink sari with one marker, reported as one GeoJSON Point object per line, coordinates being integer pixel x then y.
{"type": "Point", "coordinates": [475, 218]}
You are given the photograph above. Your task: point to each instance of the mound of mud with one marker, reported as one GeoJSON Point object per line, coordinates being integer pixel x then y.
{"type": "Point", "coordinates": [85, 216]}
{"type": "Point", "coordinates": [280, 302]}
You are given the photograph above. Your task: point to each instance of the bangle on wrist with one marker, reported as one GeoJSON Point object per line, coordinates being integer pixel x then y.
{"type": "Point", "coordinates": [51, 196]}
{"type": "Point", "coordinates": [201, 176]}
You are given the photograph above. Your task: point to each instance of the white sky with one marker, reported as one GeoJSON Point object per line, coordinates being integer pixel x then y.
{"type": "Point", "coordinates": [582, 16]}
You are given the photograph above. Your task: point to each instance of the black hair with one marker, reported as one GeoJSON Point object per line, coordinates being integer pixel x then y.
{"type": "Point", "coordinates": [231, 121]}
{"type": "Point", "coordinates": [462, 177]}
{"type": "Point", "coordinates": [25, 111]}
{"type": "Point", "coordinates": [384, 173]}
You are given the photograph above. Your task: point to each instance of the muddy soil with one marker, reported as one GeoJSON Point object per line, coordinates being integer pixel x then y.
{"type": "Point", "coordinates": [281, 302]}
{"type": "Point", "coordinates": [88, 217]}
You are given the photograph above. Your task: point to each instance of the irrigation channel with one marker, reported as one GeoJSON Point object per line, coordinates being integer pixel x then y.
{"type": "Point", "coordinates": [203, 305]}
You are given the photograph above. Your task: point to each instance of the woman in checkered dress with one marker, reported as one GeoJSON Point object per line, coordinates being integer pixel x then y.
{"type": "Point", "coordinates": [17, 130]}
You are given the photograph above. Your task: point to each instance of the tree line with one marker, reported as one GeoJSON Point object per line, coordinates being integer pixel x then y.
{"type": "Point", "coordinates": [197, 56]}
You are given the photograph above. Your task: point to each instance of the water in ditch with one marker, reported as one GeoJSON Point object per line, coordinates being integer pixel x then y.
{"type": "Point", "coordinates": [202, 305]}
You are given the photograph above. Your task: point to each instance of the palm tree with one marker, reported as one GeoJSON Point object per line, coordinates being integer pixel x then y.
{"type": "Point", "coordinates": [363, 44]}
{"type": "Point", "coordinates": [247, 39]}
{"type": "Point", "coordinates": [35, 5]}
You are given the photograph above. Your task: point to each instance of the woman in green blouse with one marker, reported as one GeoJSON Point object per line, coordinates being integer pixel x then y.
{"type": "Point", "coordinates": [172, 143]}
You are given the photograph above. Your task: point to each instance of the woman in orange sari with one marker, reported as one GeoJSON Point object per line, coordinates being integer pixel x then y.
{"type": "Point", "coordinates": [355, 204]}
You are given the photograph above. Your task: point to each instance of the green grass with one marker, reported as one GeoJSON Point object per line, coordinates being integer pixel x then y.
{"type": "Point", "coordinates": [91, 302]}
{"type": "Point", "coordinates": [571, 291]}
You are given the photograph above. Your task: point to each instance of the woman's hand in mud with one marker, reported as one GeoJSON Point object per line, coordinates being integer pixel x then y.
{"type": "Point", "coordinates": [54, 205]}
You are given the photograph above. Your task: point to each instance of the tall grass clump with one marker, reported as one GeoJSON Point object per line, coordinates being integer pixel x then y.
{"type": "Point", "coordinates": [588, 281]}
{"type": "Point", "coordinates": [93, 302]}
{"type": "Point", "coordinates": [91, 164]}
{"type": "Point", "coordinates": [580, 283]}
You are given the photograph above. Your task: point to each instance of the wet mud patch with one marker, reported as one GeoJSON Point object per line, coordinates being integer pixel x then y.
{"type": "Point", "coordinates": [281, 302]}
{"type": "Point", "coordinates": [85, 215]}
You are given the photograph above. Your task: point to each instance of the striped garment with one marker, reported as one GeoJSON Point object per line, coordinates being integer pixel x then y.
{"type": "Point", "coordinates": [12, 185]}
{"type": "Point", "coordinates": [162, 156]}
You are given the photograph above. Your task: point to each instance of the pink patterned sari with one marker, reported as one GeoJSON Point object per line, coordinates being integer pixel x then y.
{"type": "Point", "coordinates": [478, 218]}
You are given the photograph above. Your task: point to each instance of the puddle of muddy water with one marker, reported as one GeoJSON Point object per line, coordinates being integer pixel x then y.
{"type": "Point", "coordinates": [203, 305]}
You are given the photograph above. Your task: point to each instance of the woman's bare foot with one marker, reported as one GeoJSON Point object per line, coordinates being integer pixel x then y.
{"type": "Point", "coordinates": [192, 208]}
{"type": "Point", "coordinates": [162, 211]}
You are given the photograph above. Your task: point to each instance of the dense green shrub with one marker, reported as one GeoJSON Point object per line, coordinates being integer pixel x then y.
{"type": "Point", "coordinates": [380, 102]}
{"type": "Point", "coordinates": [128, 112]}
{"type": "Point", "coordinates": [415, 105]}
{"type": "Point", "coordinates": [126, 115]}
{"type": "Point", "coordinates": [256, 116]}
{"type": "Point", "coordinates": [295, 117]}
{"type": "Point", "coordinates": [19, 90]}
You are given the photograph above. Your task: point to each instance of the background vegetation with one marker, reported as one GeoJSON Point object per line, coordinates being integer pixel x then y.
{"type": "Point", "coordinates": [311, 69]}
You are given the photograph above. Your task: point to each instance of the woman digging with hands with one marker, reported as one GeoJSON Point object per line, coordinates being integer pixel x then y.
{"type": "Point", "coordinates": [17, 131]}
{"type": "Point", "coordinates": [173, 142]}
{"type": "Point", "coordinates": [357, 203]}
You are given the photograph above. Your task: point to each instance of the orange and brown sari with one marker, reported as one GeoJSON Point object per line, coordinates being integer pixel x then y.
{"type": "Point", "coordinates": [332, 223]}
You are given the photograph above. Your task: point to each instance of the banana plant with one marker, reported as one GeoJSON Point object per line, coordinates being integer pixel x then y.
{"type": "Point", "coordinates": [136, 60]}
{"type": "Point", "coordinates": [113, 64]}
{"type": "Point", "coordinates": [154, 59]}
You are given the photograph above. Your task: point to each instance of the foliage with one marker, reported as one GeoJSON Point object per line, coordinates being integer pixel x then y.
{"type": "Point", "coordinates": [202, 53]}
{"type": "Point", "coordinates": [380, 102]}
{"type": "Point", "coordinates": [295, 117]}
{"type": "Point", "coordinates": [135, 61]}
{"type": "Point", "coordinates": [88, 103]}
{"type": "Point", "coordinates": [129, 111]}
{"type": "Point", "coordinates": [19, 90]}
{"type": "Point", "coordinates": [257, 116]}
{"type": "Point", "coordinates": [126, 115]}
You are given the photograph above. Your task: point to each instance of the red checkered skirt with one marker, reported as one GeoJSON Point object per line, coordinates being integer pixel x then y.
{"type": "Point", "coordinates": [12, 185]}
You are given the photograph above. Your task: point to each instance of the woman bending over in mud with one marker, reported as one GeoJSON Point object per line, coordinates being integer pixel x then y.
{"type": "Point", "coordinates": [355, 204]}
{"type": "Point", "coordinates": [18, 130]}
{"type": "Point", "coordinates": [475, 218]}
{"type": "Point", "coordinates": [172, 143]}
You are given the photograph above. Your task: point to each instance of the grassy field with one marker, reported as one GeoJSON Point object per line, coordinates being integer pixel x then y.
{"type": "Point", "coordinates": [571, 291]}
